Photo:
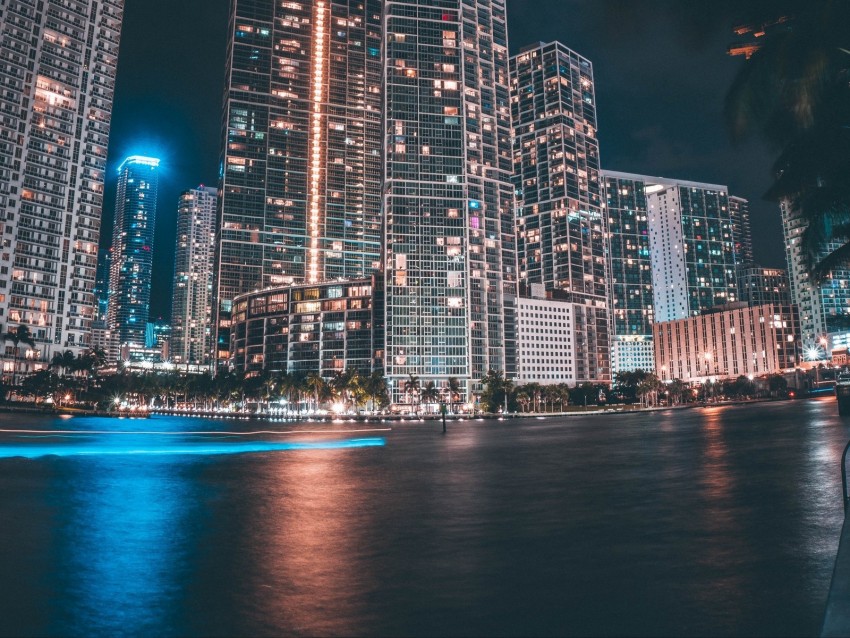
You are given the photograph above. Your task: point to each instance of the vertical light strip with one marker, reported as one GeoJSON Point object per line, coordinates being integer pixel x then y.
{"type": "Point", "coordinates": [315, 171]}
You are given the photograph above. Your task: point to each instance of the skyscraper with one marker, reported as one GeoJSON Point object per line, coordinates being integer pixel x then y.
{"type": "Point", "coordinates": [301, 164]}
{"type": "Point", "coordinates": [759, 286]}
{"type": "Point", "coordinates": [101, 289]}
{"type": "Point", "coordinates": [450, 247]}
{"type": "Point", "coordinates": [560, 227]}
{"type": "Point", "coordinates": [630, 287]}
{"type": "Point", "coordinates": [824, 306]}
{"type": "Point", "coordinates": [58, 61]}
{"type": "Point", "coordinates": [739, 211]}
{"type": "Point", "coordinates": [191, 309]}
{"type": "Point", "coordinates": [692, 247]}
{"type": "Point", "coordinates": [132, 250]}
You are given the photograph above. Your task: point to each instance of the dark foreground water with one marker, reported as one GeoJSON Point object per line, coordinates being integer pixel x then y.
{"type": "Point", "coordinates": [720, 521]}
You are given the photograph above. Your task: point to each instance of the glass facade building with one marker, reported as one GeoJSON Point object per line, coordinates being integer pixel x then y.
{"type": "Point", "coordinates": [57, 73]}
{"type": "Point", "coordinates": [630, 286]}
{"type": "Point", "coordinates": [131, 269]}
{"type": "Point", "coordinates": [758, 286]}
{"type": "Point", "coordinates": [742, 235]}
{"type": "Point", "coordinates": [326, 328]}
{"type": "Point", "coordinates": [301, 160]}
{"type": "Point", "coordinates": [101, 289]}
{"type": "Point", "coordinates": [450, 244]}
{"type": "Point", "coordinates": [692, 247]}
{"type": "Point", "coordinates": [824, 307]}
{"type": "Point", "coordinates": [191, 310]}
{"type": "Point", "coordinates": [561, 232]}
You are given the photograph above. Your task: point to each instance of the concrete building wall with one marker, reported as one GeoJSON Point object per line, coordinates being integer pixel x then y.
{"type": "Point", "coordinates": [726, 343]}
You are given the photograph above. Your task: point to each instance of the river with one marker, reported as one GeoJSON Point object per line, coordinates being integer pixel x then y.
{"type": "Point", "coordinates": [715, 521]}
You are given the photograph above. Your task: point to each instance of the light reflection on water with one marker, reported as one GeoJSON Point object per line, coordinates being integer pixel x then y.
{"type": "Point", "coordinates": [716, 521]}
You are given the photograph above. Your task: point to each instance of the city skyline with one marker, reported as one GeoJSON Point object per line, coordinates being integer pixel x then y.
{"type": "Point", "coordinates": [634, 137]}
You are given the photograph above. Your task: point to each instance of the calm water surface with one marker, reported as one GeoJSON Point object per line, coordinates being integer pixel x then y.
{"type": "Point", "coordinates": [719, 521]}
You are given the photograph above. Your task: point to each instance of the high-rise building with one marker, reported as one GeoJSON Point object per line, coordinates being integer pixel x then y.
{"type": "Point", "coordinates": [742, 236]}
{"type": "Point", "coordinates": [560, 227]}
{"type": "Point", "coordinates": [450, 253]}
{"type": "Point", "coordinates": [191, 309]}
{"type": "Point", "coordinates": [692, 247]}
{"type": "Point", "coordinates": [630, 288]}
{"type": "Point", "coordinates": [101, 287]}
{"type": "Point", "coordinates": [824, 306]}
{"type": "Point", "coordinates": [301, 165]}
{"type": "Point", "coordinates": [132, 250]}
{"type": "Point", "coordinates": [57, 71]}
{"type": "Point", "coordinates": [759, 286]}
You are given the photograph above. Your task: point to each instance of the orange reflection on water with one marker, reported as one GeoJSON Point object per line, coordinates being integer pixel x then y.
{"type": "Point", "coordinates": [310, 562]}
{"type": "Point", "coordinates": [722, 545]}
{"type": "Point", "coordinates": [714, 475]}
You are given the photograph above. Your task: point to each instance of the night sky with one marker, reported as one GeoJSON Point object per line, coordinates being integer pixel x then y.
{"type": "Point", "coordinates": [661, 74]}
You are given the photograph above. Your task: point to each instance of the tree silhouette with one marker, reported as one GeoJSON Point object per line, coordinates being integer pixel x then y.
{"type": "Point", "coordinates": [794, 91]}
{"type": "Point", "coordinates": [19, 335]}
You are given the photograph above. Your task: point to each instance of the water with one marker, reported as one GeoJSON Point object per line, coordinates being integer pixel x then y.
{"type": "Point", "coordinates": [719, 521]}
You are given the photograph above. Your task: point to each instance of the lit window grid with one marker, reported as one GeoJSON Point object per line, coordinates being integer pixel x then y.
{"type": "Point", "coordinates": [55, 170]}
{"type": "Point", "coordinates": [326, 328]}
{"type": "Point", "coordinates": [438, 324]}
{"type": "Point", "coordinates": [822, 306]}
{"type": "Point", "coordinates": [631, 294]}
{"type": "Point", "coordinates": [131, 267]}
{"type": "Point", "coordinates": [754, 340]}
{"type": "Point", "coordinates": [193, 275]}
{"type": "Point", "coordinates": [270, 233]}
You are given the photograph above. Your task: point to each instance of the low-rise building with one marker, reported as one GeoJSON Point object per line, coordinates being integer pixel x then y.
{"type": "Point", "coordinates": [560, 341]}
{"type": "Point", "coordinates": [325, 328]}
{"type": "Point", "coordinates": [726, 342]}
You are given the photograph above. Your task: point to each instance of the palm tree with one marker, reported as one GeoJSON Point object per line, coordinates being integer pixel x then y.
{"type": "Point", "coordinates": [317, 386]}
{"type": "Point", "coordinates": [376, 389]}
{"type": "Point", "coordinates": [346, 385]}
{"type": "Point", "coordinates": [454, 389]}
{"type": "Point", "coordinates": [561, 395]}
{"type": "Point", "coordinates": [430, 393]}
{"type": "Point", "coordinates": [523, 397]}
{"type": "Point", "coordinates": [17, 336]}
{"type": "Point", "coordinates": [412, 389]}
{"type": "Point", "coordinates": [793, 90]}
{"type": "Point", "coordinates": [64, 361]}
{"type": "Point", "coordinates": [648, 389]}
{"type": "Point", "coordinates": [677, 390]}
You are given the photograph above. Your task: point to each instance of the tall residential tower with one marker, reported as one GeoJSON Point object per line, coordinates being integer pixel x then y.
{"type": "Point", "coordinates": [450, 254]}
{"type": "Point", "coordinates": [630, 287]}
{"type": "Point", "coordinates": [191, 310]}
{"type": "Point", "coordinates": [692, 245]}
{"type": "Point", "coordinates": [57, 73]}
{"type": "Point", "coordinates": [301, 164]}
{"type": "Point", "coordinates": [824, 306]}
{"type": "Point", "coordinates": [561, 231]}
{"type": "Point", "coordinates": [131, 269]}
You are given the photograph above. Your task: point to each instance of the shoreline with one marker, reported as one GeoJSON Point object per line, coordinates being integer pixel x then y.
{"type": "Point", "coordinates": [373, 418]}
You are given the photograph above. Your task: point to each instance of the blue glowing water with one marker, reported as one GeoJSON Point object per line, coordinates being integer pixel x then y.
{"type": "Point", "coordinates": [196, 448]}
{"type": "Point", "coordinates": [721, 521]}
